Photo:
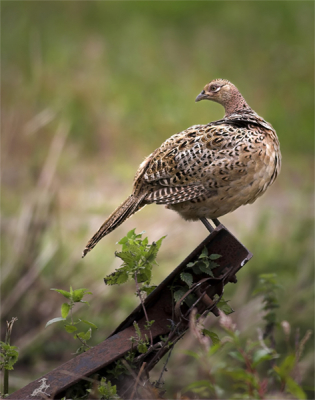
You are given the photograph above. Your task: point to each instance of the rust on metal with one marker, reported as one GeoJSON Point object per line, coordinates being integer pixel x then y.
{"type": "Point", "coordinates": [160, 308]}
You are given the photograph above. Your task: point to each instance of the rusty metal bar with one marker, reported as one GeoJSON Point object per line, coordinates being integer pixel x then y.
{"type": "Point", "coordinates": [160, 308]}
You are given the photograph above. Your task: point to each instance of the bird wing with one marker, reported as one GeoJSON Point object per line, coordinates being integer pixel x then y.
{"type": "Point", "coordinates": [174, 194]}
{"type": "Point", "coordinates": [195, 162]}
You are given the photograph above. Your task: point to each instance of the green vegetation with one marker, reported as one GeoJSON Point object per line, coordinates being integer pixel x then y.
{"type": "Point", "coordinates": [138, 258]}
{"type": "Point", "coordinates": [253, 368]}
{"type": "Point", "coordinates": [89, 89]}
{"type": "Point", "coordinates": [249, 367]}
{"type": "Point", "coordinates": [239, 361]}
{"type": "Point", "coordinates": [8, 356]}
{"type": "Point", "coordinates": [74, 296]}
{"type": "Point", "coordinates": [204, 264]}
{"type": "Point", "coordinates": [105, 390]}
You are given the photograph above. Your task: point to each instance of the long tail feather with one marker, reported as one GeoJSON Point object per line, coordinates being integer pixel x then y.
{"type": "Point", "coordinates": [124, 211]}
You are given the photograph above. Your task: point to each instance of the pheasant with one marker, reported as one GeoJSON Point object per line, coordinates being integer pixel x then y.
{"type": "Point", "coordinates": [206, 171]}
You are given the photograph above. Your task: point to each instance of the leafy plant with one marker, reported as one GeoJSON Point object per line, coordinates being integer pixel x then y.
{"type": "Point", "coordinates": [8, 355]}
{"type": "Point", "coordinates": [138, 258]}
{"type": "Point", "coordinates": [74, 296]}
{"type": "Point", "coordinates": [252, 366]}
{"type": "Point", "coordinates": [142, 344]}
{"type": "Point", "coordinates": [204, 265]}
{"type": "Point", "coordinates": [268, 288]}
{"type": "Point", "coordinates": [105, 390]}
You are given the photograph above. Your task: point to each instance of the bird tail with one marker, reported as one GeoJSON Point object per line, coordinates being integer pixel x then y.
{"type": "Point", "coordinates": [124, 211]}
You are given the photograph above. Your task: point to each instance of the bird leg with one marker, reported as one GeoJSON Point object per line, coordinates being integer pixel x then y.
{"type": "Point", "coordinates": [216, 222]}
{"type": "Point", "coordinates": [207, 224]}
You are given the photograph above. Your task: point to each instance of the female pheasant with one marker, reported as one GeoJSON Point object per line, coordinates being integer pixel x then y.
{"type": "Point", "coordinates": [207, 170]}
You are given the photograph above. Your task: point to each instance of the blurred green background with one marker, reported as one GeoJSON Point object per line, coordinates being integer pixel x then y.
{"type": "Point", "coordinates": [88, 90]}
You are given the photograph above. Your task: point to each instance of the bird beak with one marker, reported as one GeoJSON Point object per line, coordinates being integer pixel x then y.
{"type": "Point", "coordinates": [201, 96]}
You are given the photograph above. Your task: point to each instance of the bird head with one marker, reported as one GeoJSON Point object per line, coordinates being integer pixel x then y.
{"type": "Point", "coordinates": [217, 90]}
{"type": "Point", "coordinates": [225, 93]}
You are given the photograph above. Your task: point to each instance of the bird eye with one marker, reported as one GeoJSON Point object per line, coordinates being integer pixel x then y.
{"type": "Point", "coordinates": [214, 88]}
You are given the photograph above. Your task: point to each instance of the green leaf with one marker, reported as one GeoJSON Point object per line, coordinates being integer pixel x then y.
{"type": "Point", "coordinates": [123, 240]}
{"type": "Point", "coordinates": [142, 348]}
{"type": "Point", "coordinates": [70, 328]}
{"type": "Point", "coordinates": [127, 257]}
{"type": "Point", "coordinates": [262, 355]}
{"type": "Point", "coordinates": [144, 276]}
{"type": "Point", "coordinates": [240, 374]}
{"type": "Point", "coordinates": [65, 308]}
{"type": "Point", "coordinates": [223, 306]}
{"type": "Point", "coordinates": [88, 323]}
{"type": "Point", "coordinates": [85, 335]}
{"type": "Point", "coordinates": [63, 292]}
{"type": "Point", "coordinates": [79, 293]}
{"type": "Point", "coordinates": [196, 268]}
{"type": "Point", "coordinates": [152, 253]}
{"type": "Point", "coordinates": [214, 256]}
{"type": "Point", "coordinates": [4, 346]}
{"type": "Point", "coordinates": [137, 329]}
{"type": "Point", "coordinates": [122, 278]}
{"type": "Point", "coordinates": [131, 234]}
{"type": "Point", "coordinates": [199, 384]}
{"type": "Point", "coordinates": [179, 294]}
{"type": "Point", "coordinates": [213, 336]}
{"type": "Point", "coordinates": [191, 264]}
{"type": "Point", "coordinates": [148, 325]}
{"type": "Point", "coordinates": [191, 354]}
{"type": "Point", "coordinates": [204, 252]}
{"type": "Point", "coordinates": [187, 278]}
{"type": "Point", "coordinates": [237, 356]}
{"type": "Point", "coordinates": [268, 277]}
{"type": "Point", "coordinates": [159, 242]}
{"type": "Point", "coordinates": [213, 265]}
{"type": "Point", "coordinates": [9, 355]}
{"type": "Point", "coordinates": [285, 367]}
{"type": "Point", "coordinates": [214, 348]}
{"type": "Point", "coordinates": [206, 270]}
{"type": "Point", "coordinates": [202, 255]}
{"type": "Point", "coordinates": [145, 241]}
{"type": "Point", "coordinates": [117, 278]}
{"type": "Point", "coordinates": [85, 302]}
{"type": "Point", "coordinates": [295, 389]}
{"type": "Point", "coordinates": [52, 321]}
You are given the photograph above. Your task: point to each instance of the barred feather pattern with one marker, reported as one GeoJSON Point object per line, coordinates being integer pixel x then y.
{"type": "Point", "coordinates": [130, 206]}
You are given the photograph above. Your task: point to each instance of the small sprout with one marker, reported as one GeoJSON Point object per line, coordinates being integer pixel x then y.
{"type": "Point", "coordinates": [74, 296]}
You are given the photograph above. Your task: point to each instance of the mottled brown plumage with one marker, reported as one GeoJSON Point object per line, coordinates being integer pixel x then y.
{"type": "Point", "coordinates": [207, 170]}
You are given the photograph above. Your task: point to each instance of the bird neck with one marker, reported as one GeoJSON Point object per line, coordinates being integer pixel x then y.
{"type": "Point", "coordinates": [235, 104]}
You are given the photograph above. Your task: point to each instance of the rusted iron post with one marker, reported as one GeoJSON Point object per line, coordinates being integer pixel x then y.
{"type": "Point", "coordinates": [171, 320]}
